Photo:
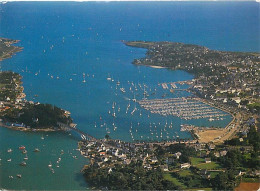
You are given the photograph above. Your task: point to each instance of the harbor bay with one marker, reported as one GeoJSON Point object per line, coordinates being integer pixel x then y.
{"type": "Point", "coordinates": [91, 75]}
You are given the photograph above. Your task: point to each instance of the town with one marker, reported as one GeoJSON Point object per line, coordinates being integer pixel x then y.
{"type": "Point", "coordinates": [217, 158]}
{"type": "Point", "coordinates": [176, 165]}
{"type": "Point", "coordinates": [227, 77]}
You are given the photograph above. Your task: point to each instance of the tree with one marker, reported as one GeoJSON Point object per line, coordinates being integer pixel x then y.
{"type": "Point", "coordinates": [107, 137]}
{"type": "Point", "coordinates": [220, 182]}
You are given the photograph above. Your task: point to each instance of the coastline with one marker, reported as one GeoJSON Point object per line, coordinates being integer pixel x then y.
{"type": "Point", "coordinates": [24, 129]}
{"type": "Point", "coordinates": [7, 51]}
{"type": "Point", "coordinates": [157, 67]}
{"type": "Point", "coordinates": [159, 57]}
{"type": "Point", "coordinates": [218, 135]}
{"type": "Point", "coordinates": [12, 52]}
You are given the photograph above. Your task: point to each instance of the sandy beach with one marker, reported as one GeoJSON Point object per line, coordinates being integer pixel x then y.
{"type": "Point", "coordinates": [158, 67]}
{"type": "Point", "coordinates": [218, 135]}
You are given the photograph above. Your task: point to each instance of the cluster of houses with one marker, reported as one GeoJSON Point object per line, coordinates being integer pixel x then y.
{"type": "Point", "coordinates": [107, 153]}
{"type": "Point", "coordinates": [236, 85]}
{"type": "Point", "coordinates": [8, 91]}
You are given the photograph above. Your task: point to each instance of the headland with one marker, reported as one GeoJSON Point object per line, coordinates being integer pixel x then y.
{"type": "Point", "coordinates": [15, 111]}
{"type": "Point", "coordinates": [224, 80]}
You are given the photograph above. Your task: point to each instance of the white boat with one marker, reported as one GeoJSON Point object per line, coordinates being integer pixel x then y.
{"type": "Point", "coordinates": [19, 175]}
{"type": "Point", "coordinates": [23, 163]}
{"type": "Point", "coordinates": [50, 165]}
{"type": "Point", "coordinates": [9, 150]}
{"type": "Point", "coordinates": [211, 119]}
{"type": "Point", "coordinates": [122, 90]}
{"type": "Point", "coordinates": [26, 157]}
{"type": "Point", "coordinates": [114, 114]}
{"type": "Point", "coordinates": [9, 160]}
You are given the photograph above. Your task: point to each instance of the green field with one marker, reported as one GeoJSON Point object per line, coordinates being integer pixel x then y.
{"type": "Point", "coordinates": [253, 180]}
{"type": "Point", "coordinates": [175, 181]}
{"type": "Point", "coordinates": [208, 166]}
{"type": "Point", "coordinates": [195, 161]}
{"type": "Point", "coordinates": [184, 173]}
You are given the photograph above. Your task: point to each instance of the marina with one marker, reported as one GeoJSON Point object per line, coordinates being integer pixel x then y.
{"type": "Point", "coordinates": [185, 108]}
{"type": "Point", "coordinates": [88, 73]}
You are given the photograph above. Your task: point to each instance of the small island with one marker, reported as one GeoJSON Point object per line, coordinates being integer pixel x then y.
{"type": "Point", "coordinates": [18, 113]}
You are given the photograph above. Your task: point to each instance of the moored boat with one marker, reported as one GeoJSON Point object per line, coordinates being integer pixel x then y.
{"type": "Point", "coordinates": [26, 157]}
{"type": "Point", "coordinates": [22, 147]}
{"type": "Point", "coordinates": [23, 163]}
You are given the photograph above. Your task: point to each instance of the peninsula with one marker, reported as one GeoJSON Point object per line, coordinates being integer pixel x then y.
{"type": "Point", "coordinates": [226, 80]}
{"type": "Point", "coordinates": [18, 113]}
{"type": "Point", "coordinates": [7, 49]}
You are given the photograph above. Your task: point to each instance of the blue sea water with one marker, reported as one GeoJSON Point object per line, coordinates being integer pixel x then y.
{"type": "Point", "coordinates": [63, 40]}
